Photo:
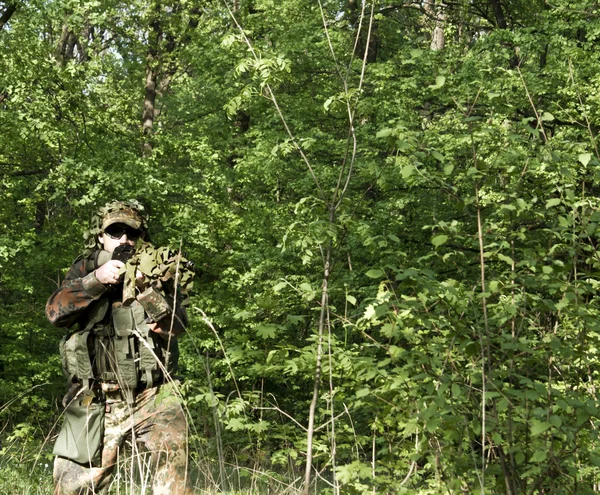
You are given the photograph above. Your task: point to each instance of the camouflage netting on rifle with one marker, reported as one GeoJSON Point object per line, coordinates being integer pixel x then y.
{"type": "Point", "coordinates": [159, 266]}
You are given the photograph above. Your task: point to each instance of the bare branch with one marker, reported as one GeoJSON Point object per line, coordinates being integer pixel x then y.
{"type": "Point", "coordinates": [270, 95]}
{"type": "Point", "coordinates": [7, 14]}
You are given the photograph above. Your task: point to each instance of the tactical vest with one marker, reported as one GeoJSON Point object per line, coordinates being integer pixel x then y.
{"type": "Point", "coordinates": [116, 345]}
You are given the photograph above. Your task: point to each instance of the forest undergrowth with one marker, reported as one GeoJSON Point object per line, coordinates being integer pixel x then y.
{"type": "Point", "coordinates": [393, 208]}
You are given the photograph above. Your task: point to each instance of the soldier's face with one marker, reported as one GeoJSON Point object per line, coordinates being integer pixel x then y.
{"type": "Point", "coordinates": [117, 234]}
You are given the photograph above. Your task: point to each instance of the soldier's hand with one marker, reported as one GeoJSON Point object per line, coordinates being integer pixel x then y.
{"type": "Point", "coordinates": [140, 280]}
{"type": "Point", "coordinates": [158, 328]}
{"type": "Point", "coordinates": [163, 328]}
{"type": "Point", "coordinates": [109, 272]}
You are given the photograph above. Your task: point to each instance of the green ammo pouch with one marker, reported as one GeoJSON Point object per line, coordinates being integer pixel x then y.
{"type": "Point", "coordinates": [81, 435]}
{"type": "Point", "coordinates": [133, 358]}
{"type": "Point", "coordinates": [75, 356]}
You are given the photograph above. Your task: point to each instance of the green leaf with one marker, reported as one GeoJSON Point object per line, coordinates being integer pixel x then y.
{"type": "Point", "coordinates": [243, 315]}
{"type": "Point", "coordinates": [456, 391]}
{"type": "Point", "coordinates": [438, 240]}
{"type": "Point", "coordinates": [161, 396]}
{"type": "Point", "coordinates": [410, 427]}
{"type": "Point", "coordinates": [295, 318]}
{"type": "Point", "coordinates": [384, 133]}
{"type": "Point", "coordinates": [585, 158]}
{"type": "Point", "coordinates": [407, 170]}
{"type": "Point", "coordinates": [403, 145]}
{"type": "Point", "coordinates": [395, 351]}
{"type": "Point", "coordinates": [563, 222]}
{"type": "Point", "coordinates": [370, 312]}
{"type": "Point", "coordinates": [539, 456]}
{"type": "Point", "coordinates": [439, 82]}
{"type": "Point", "coordinates": [507, 259]}
{"type": "Point", "coordinates": [306, 287]}
{"type": "Point", "coordinates": [539, 427]}
{"type": "Point", "coordinates": [277, 287]}
{"type": "Point", "coordinates": [363, 392]}
{"type": "Point", "coordinates": [547, 117]}
{"type": "Point", "coordinates": [351, 299]}
{"type": "Point", "coordinates": [375, 273]}
{"type": "Point", "coordinates": [234, 424]}
{"type": "Point", "coordinates": [307, 291]}
{"type": "Point", "coordinates": [555, 421]}
{"type": "Point", "coordinates": [438, 156]}
{"type": "Point", "coordinates": [266, 331]}
{"type": "Point", "coordinates": [553, 202]}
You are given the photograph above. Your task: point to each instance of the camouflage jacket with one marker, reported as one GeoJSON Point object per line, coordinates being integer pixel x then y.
{"type": "Point", "coordinates": [76, 303]}
{"type": "Point", "coordinates": [69, 303]}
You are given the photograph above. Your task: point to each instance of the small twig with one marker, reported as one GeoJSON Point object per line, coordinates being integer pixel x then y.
{"type": "Point", "coordinates": [227, 360]}
{"type": "Point", "coordinates": [271, 95]}
{"type": "Point", "coordinates": [587, 121]}
{"type": "Point", "coordinates": [537, 115]}
{"type": "Point", "coordinates": [281, 411]}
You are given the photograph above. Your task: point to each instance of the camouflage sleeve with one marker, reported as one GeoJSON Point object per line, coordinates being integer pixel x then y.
{"type": "Point", "coordinates": [69, 302]}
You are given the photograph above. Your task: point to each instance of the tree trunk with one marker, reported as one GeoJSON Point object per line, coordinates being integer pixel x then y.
{"type": "Point", "coordinates": [7, 14]}
{"type": "Point", "coordinates": [68, 41]}
{"type": "Point", "coordinates": [438, 38]}
{"type": "Point", "coordinates": [149, 107]}
{"type": "Point", "coordinates": [61, 46]}
{"type": "Point", "coordinates": [159, 70]}
{"type": "Point", "coordinates": [498, 14]}
{"type": "Point", "coordinates": [318, 369]}
{"type": "Point", "coordinates": [151, 85]}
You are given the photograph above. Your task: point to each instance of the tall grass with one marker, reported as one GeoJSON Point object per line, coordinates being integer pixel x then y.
{"type": "Point", "coordinates": [26, 469]}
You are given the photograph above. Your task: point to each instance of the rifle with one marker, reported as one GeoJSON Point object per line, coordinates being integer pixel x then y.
{"type": "Point", "coordinates": [123, 252]}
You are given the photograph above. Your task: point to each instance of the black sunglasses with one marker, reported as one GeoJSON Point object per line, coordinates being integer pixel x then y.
{"type": "Point", "coordinates": [116, 231]}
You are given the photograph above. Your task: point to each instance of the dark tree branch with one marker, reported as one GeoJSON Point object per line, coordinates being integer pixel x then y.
{"type": "Point", "coordinates": [499, 14]}
{"type": "Point", "coordinates": [7, 14]}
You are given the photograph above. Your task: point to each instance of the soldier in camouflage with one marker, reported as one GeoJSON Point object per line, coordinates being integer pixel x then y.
{"type": "Point", "coordinates": [128, 359]}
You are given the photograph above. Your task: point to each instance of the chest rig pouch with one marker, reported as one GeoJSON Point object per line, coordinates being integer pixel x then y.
{"type": "Point", "coordinates": [117, 346]}
{"type": "Point", "coordinates": [137, 357]}
{"type": "Point", "coordinates": [76, 348]}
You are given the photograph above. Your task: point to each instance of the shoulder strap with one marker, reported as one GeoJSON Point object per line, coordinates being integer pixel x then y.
{"type": "Point", "coordinates": [96, 312]}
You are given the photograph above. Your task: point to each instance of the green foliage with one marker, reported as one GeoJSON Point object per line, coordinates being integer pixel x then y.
{"type": "Point", "coordinates": [443, 203]}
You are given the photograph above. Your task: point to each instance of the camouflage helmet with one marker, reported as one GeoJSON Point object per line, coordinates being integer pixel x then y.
{"type": "Point", "coordinates": [130, 213]}
{"type": "Point", "coordinates": [123, 212]}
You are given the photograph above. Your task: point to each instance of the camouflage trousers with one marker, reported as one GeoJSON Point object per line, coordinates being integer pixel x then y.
{"type": "Point", "coordinates": [157, 422]}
